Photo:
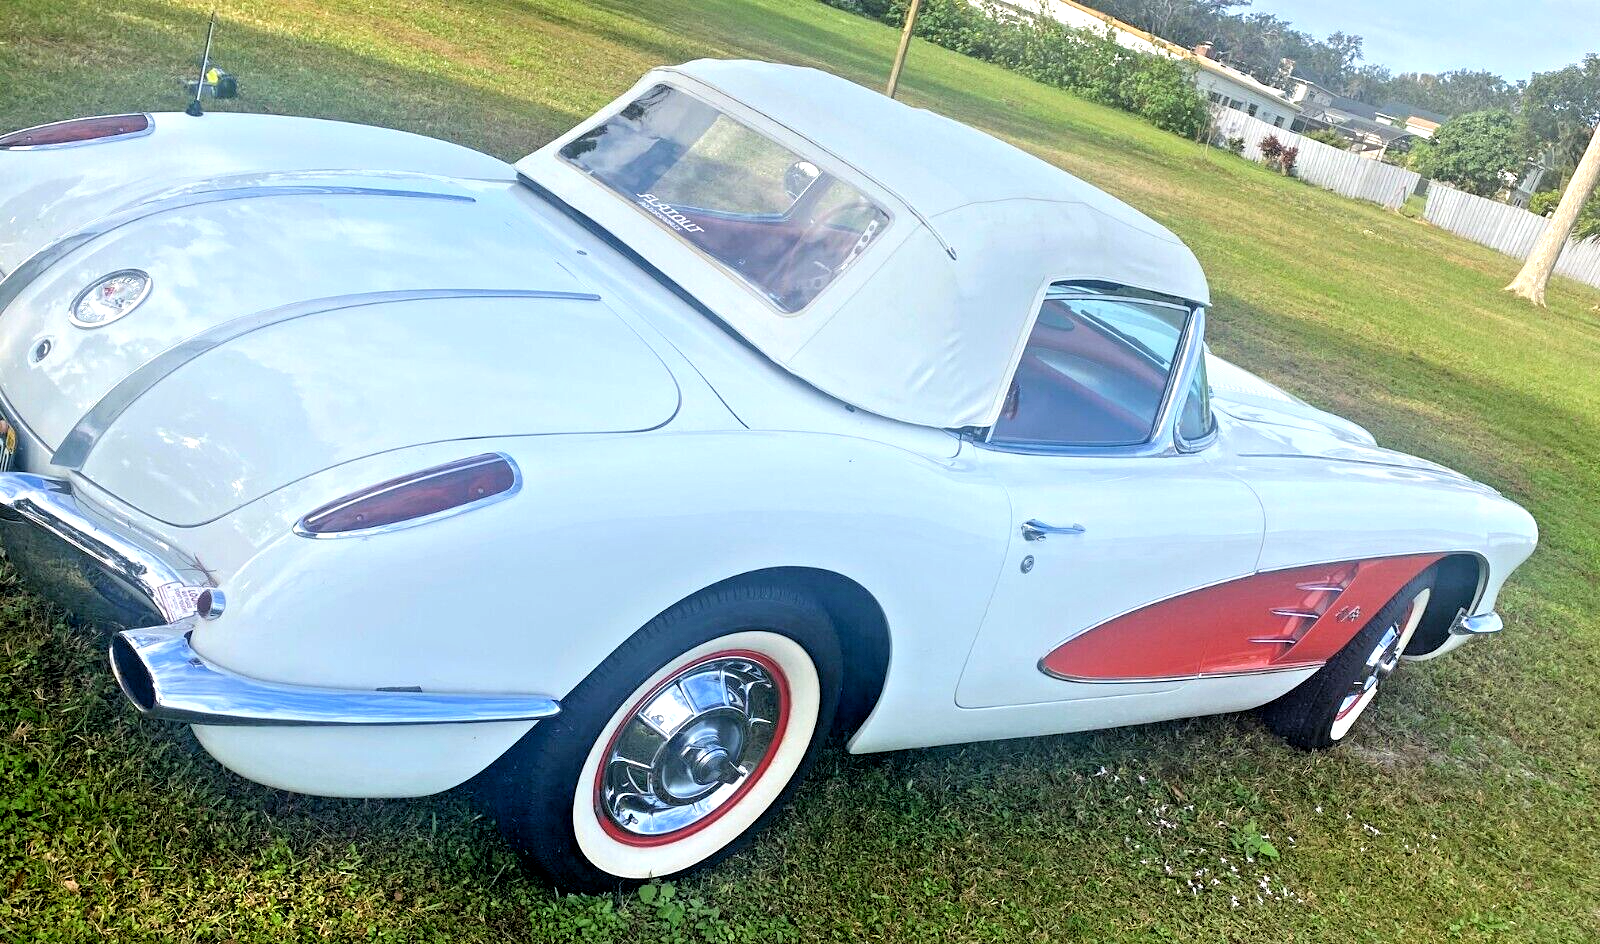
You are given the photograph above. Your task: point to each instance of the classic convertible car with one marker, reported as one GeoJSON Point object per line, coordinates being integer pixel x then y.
{"type": "Point", "coordinates": [757, 407]}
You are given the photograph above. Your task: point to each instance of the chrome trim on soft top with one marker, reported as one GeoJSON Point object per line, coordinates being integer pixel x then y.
{"type": "Point", "coordinates": [50, 505]}
{"type": "Point", "coordinates": [80, 440]}
{"type": "Point", "coordinates": [160, 672]}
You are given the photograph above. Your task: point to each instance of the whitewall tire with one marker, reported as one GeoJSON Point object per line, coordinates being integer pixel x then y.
{"type": "Point", "coordinates": [1323, 709]}
{"type": "Point", "coordinates": [679, 747]}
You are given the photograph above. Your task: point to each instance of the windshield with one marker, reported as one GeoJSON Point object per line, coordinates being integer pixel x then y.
{"type": "Point", "coordinates": [764, 213]}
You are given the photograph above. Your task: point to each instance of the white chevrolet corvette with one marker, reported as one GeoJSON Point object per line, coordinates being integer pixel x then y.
{"type": "Point", "coordinates": [757, 407]}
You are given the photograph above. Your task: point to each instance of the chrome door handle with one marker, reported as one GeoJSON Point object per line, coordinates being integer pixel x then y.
{"type": "Point", "coordinates": [1035, 530]}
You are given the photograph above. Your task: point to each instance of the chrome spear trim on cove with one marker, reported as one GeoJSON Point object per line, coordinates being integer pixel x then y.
{"type": "Point", "coordinates": [165, 678]}
{"type": "Point", "coordinates": [77, 445]}
{"type": "Point", "coordinates": [39, 262]}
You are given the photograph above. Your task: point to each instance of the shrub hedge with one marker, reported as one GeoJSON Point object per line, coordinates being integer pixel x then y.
{"type": "Point", "coordinates": [1086, 62]}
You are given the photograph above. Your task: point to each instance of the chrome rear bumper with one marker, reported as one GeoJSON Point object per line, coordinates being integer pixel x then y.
{"type": "Point", "coordinates": [165, 678]}
{"type": "Point", "coordinates": [97, 570]}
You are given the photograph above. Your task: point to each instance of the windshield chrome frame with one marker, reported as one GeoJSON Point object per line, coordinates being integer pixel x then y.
{"type": "Point", "coordinates": [1164, 441]}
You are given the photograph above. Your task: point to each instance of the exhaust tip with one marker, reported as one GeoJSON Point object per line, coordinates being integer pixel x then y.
{"type": "Point", "coordinates": [132, 674]}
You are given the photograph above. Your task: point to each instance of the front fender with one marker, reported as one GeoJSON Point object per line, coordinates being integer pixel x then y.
{"type": "Point", "coordinates": [1320, 510]}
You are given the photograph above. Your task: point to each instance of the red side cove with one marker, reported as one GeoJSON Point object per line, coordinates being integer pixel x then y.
{"type": "Point", "coordinates": [1276, 620]}
{"type": "Point", "coordinates": [78, 129]}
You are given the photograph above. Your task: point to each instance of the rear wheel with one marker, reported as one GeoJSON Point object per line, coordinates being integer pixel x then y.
{"type": "Point", "coordinates": [1322, 711]}
{"type": "Point", "coordinates": [680, 746]}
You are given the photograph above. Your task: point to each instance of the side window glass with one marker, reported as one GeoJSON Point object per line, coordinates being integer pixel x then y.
{"type": "Point", "coordinates": [1196, 422]}
{"type": "Point", "coordinates": [1094, 372]}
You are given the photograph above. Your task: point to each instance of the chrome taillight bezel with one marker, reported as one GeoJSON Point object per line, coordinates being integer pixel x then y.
{"type": "Point", "coordinates": [308, 525]}
{"type": "Point", "coordinates": [21, 134]}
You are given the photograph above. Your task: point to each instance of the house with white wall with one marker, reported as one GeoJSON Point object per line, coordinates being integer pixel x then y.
{"type": "Point", "coordinates": [1220, 83]}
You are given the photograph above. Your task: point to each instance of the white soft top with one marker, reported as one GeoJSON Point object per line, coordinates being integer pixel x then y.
{"type": "Point", "coordinates": [927, 326]}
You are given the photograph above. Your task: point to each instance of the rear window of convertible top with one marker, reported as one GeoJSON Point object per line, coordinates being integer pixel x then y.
{"type": "Point", "coordinates": [769, 216]}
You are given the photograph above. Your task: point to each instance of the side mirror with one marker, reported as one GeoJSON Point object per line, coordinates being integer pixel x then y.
{"type": "Point", "coordinates": [799, 178]}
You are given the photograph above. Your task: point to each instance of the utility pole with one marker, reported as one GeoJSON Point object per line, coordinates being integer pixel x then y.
{"type": "Point", "coordinates": [905, 44]}
{"type": "Point", "coordinates": [1535, 274]}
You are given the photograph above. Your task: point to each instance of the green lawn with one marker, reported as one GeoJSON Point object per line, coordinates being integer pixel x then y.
{"type": "Point", "coordinates": [1464, 810]}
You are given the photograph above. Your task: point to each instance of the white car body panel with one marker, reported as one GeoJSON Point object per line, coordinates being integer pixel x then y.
{"type": "Point", "coordinates": [659, 453]}
{"type": "Point", "coordinates": [51, 191]}
{"type": "Point", "coordinates": [332, 396]}
{"type": "Point", "coordinates": [1179, 523]}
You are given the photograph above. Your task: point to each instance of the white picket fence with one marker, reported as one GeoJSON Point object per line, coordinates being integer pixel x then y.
{"type": "Point", "coordinates": [1507, 229]}
{"type": "Point", "coordinates": [1327, 167]}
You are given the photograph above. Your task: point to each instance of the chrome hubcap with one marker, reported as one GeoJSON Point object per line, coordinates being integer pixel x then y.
{"type": "Point", "coordinates": [690, 746]}
{"type": "Point", "coordinates": [1380, 664]}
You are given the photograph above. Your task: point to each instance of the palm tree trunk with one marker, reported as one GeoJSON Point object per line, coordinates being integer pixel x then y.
{"type": "Point", "coordinates": [1535, 274]}
{"type": "Point", "coordinates": [905, 44]}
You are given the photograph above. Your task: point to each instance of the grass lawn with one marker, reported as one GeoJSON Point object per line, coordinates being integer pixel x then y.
{"type": "Point", "coordinates": [1464, 810]}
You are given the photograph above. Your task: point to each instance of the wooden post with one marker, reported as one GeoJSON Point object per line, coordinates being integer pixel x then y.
{"type": "Point", "coordinates": [905, 44]}
{"type": "Point", "coordinates": [1535, 274]}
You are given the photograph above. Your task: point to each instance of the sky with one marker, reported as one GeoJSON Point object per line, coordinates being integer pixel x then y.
{"type": "Point", "coordinates": [1513, 38]}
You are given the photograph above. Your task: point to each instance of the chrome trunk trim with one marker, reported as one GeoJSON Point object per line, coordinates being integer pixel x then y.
{"type": "Point", "coordinates": [166, 679]}
{"type": "Point", "coordinates": [80, 441]}
{"type": "Point", "coordinates": [36, 264]}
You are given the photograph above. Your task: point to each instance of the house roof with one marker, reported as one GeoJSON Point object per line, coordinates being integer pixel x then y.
{"type": "Point", "coordinates": [1170, 48]}
{"type": "Point", "coordinates": [1405, 110]}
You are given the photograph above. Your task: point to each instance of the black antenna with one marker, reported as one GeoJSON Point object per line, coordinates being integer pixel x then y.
{"type": "Point", "coordinates": [194, 108]}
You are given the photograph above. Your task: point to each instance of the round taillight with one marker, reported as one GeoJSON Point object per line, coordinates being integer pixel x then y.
{"type": "Point", "coordinates": [77, 131]}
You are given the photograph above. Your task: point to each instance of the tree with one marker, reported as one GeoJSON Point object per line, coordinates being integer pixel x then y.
{"type": "Point", "coordinates": [1535, 275]}
{"type": "Point", "coordinates": [1452, 93]}
{"type": "Point", "coordinates": [1474, 151]}
{"type": "Point", "coordinates": [1561, 106]}
{"type": "Point", "coordinates": [1545, 202]}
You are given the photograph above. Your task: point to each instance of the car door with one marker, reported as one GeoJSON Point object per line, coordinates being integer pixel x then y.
{"type": "Point", "coordinates": [1116, 505]}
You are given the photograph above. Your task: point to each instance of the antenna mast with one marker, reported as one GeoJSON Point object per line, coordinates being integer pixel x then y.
{"type": "Point", "coordinates": [194, 108]}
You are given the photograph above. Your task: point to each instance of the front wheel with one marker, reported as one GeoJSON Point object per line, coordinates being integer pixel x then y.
{"type": "Point", "coordinates": [680, 746]}
{"type": "Point", "coordinates": [1321, 711]}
